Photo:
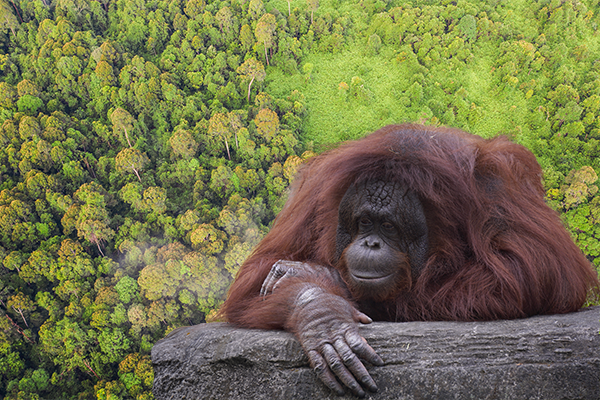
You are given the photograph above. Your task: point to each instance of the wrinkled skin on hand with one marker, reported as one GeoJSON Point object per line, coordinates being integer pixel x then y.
{"type": "Point", "coordinates": [327, 327]}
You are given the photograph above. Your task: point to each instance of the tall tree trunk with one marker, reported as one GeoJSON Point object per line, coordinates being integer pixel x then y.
{"type": "Point", "coordinates": [227, 146]}
{"type": "Point", "coordinates": [127, 137]}
{"type": "Point", "coordinates": [250, 85]}
{"type": "Point", "coordinates": [266, 56]}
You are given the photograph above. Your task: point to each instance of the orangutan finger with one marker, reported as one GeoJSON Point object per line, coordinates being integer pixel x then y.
{"type": "Point", "coordinates": [320, 366]}
{"type": "Point", "coordinates": [352, 362]}
{"type": "Point", "coordinates": [359, 346]}
{"type": "Point", "coordinates": [339, 369]}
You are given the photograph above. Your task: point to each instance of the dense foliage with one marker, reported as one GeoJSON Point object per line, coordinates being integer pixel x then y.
{"type": "Point", "coordinates": [146, 146]}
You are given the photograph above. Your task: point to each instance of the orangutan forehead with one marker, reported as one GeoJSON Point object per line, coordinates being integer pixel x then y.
{"type": "Point", "coordinates": [380, 194]}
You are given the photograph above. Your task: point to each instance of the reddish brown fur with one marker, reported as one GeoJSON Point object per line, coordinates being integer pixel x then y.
{"type": "Point", "coordinates": [497, 251]}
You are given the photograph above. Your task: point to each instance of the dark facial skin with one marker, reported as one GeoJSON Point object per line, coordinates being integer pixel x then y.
{"type": "Point", "coordinates": [382, 239]}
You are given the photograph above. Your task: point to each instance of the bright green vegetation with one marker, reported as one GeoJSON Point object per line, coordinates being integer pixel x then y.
{"type": "Point", "coordinates": [145, 147]}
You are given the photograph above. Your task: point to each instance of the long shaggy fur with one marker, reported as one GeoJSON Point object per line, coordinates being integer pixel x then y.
{"type": "Point", "coordinates": [496, 250]}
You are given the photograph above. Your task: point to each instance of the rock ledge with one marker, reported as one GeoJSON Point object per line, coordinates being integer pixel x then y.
{"type": "Point", "coordinates": [544, 357]}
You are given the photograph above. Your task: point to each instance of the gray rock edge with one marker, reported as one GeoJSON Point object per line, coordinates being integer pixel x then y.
{"type": "Point", "coordinates": [543, 357]}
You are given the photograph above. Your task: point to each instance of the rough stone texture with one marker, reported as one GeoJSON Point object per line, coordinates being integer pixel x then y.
{"type": "Point", "coordinates": [544, 357]}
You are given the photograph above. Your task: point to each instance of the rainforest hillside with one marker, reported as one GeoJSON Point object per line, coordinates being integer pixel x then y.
{"type": "Point", "coordinates": [146, 147]}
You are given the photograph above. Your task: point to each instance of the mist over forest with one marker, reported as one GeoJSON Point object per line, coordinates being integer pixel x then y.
{"type": "Point", "coordinates": [147, 146]}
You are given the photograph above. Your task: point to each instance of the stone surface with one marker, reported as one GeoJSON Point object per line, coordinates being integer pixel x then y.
{"type": "Point", "coordinates": [544, 357]}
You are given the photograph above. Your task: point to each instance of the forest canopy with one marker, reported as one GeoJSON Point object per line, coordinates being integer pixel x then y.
{"type": "Point", "coordinates": [146, 147]}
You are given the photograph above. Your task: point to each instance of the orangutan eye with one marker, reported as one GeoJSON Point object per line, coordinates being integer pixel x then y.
{"type": "Point", "coordinates": [388, 226]}
{"type": "Point", "coordinates": [365, 222]}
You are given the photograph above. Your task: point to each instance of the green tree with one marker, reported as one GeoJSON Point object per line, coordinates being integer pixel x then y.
{"type": "Point", "coordinates": [73, 261]}
{"type": "Point", "coordinates": [127, 288]}
{"type": "Point", "coordinates": [207, 239]}
{"type": "Point", "coordinates": [156, 282]}
{"type": "Point", "coordinates": [312, 6]}
{"type": "Point", "coordinates": [68, 345]}
{"type": "Point", "coordinates": [17, 231]}
{"type": "Point", "coordinates": [183, 144]}
{"type": "Point", "coordinates": [104, 72]}
{"type": "Point", "coordinates": [267, 124]}
{"type": "Point", "coordinates": [29, 128]}
{"type": "Point", "coordinates": [579, 186]}
{"type": "Point", "coordinates": [256, 8]}
{"type": "Point", "coordinates": [223, 181]}
{"type": "Point", "coordinates": [8, 95]}
{"type": "Point", "coordinates": [374, 43]}
{"type": "Point", "coordinates": [89, 215]}
{"type": "Point", "coordinates": [468, 26]}
{"type": "Point", "coordinates": [265, 32]}
{"type": "Point", "coordinates": [136, 372]}
{"type": "Point", "coordinates": [136, 313]}
{"type": "Point", "coordinates": [114, 344]}
{"type": "Point", "coordinates": [251, 70]}
{"type": "Point", "coordinates": [74, 10]}
{"type": "Point", "coordinates": [290, 167]}
{"type": "Point", "coordinates": [26, 87]}
{"type": "Point", "coordinates": [155, 199]}
{"type": "Point", "coordinates": [9, 21]}
{"type": "Point", "coordinates": [21, 305]}
{"type": "Point", "coordinates": [122, 124]}
{"type": "Point", "coordinates": [225, 19]}
{"type": "Point", "coordinates": [246, 37]}
{"type": "Point", "coordinates": [131, 160]}
{"type": "Point", "coordinates": [194, 8]}
{"type": "Point", "coordinates": [218, 126]}
{"type": "Point", "coordinates": [29, 104]}
{"type": "Point", "coordinates": [208, 281]}
{"type": "Point", "coordinates": [132, 193]}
